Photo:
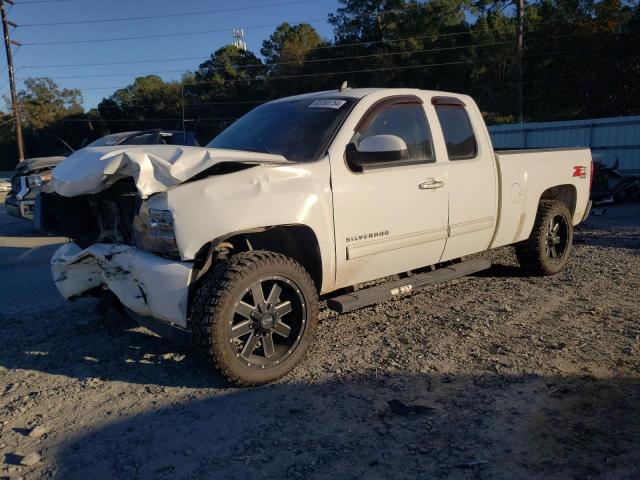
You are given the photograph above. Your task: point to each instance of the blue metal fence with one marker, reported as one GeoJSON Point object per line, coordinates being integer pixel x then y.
{"type": "Point", "coordinates": [610, 139]}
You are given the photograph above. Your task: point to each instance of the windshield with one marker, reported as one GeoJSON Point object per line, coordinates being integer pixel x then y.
{"type": "Point", "coordinates": [299, 130]}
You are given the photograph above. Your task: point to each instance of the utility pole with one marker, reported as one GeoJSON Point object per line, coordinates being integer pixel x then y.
{"type": "Point", "coordinates": [184, 130]}
{"type": "Point", "coordinates": [520, 32]}
{"type": "Point", "coordinates": [12, 81]}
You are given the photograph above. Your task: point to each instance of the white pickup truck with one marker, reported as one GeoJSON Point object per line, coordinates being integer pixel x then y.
{"type": "Point", "coordinates": [303, 198]}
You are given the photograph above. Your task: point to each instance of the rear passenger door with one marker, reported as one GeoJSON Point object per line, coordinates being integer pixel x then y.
{"type": "Point", "coordinates": [472, 177]}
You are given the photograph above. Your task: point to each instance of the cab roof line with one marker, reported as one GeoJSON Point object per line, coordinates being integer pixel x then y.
{"type": "Point", "coordinates": [450, 101]}
{"type": "Point", "coordinates": [385, 102]}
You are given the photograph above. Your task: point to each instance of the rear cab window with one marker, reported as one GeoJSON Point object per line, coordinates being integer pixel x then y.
{"type": "Point", "coordinates": [456, 127]}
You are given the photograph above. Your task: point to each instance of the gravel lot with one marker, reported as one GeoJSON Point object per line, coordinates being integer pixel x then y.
{"type": "Point", "coordinates": [493, 376]}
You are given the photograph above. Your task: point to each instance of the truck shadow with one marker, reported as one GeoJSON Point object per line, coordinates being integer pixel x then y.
{"type": "Point", "coordinates": [608, 239]}
{"type": "Point", "coordinates": [499, 270]}
{"type": "Point", "coordinates": [76, 341]}
{"type": "Point", "coordinates": [394, 426]}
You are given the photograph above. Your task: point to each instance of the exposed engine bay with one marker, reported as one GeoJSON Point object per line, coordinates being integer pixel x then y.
{"type": "Point", "coordinates": [104, 217]}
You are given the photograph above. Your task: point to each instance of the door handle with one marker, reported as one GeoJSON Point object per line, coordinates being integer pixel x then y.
{"type": "Point", "coordinates": [431, 184]}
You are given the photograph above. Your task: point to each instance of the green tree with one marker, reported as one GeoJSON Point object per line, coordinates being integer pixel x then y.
{"type": "Point", "coordinates": [289, 46]}
{"type": "Point", "coordinates": [229, 66]}
{"type": "Point", "coordinates": [149, 102]}
{"type": "Point", "coordinates": [42, 102]}
{"type": "Point", "coordinates": [223, 88]}
{"type": "Point", "coordinates": [363, 20]}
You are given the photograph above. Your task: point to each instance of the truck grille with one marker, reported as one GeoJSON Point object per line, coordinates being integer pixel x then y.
{"type": "Point", "coordinates": [15, 184]}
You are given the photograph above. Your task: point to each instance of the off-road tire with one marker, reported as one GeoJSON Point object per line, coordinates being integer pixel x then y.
{"type": "Point", "coordinates": [213, 306]}
{"type": "Point", "coordinates": [532, 253]}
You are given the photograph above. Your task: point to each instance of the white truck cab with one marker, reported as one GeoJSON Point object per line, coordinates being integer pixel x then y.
{"type": "Point", "coordinates": [307, 196]}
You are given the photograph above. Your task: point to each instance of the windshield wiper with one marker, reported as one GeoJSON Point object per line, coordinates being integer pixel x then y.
{"type": "Point", "coordinates": [263, 150]}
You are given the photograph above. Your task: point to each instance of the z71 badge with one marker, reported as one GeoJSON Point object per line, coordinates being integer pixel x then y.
{"type": "Point", "coordinates": [580, 171]}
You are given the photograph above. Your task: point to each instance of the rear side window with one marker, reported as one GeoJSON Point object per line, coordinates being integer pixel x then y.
{"type": "Point", "coordinates": [457, 131]}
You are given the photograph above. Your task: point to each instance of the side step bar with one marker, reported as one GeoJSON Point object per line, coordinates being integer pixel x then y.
{"type": "Point", "coordinates": [379, 293]}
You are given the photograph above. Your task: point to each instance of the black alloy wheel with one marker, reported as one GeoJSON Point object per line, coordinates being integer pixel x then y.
{"type": "Point", "coordinates": [266, 328]}
{"type": "Point", "coordinates": [557, 237]}
{"type": "Point", "coordinates": [549, 245]}
{"type": "Point", "coordinates": [254, 316]}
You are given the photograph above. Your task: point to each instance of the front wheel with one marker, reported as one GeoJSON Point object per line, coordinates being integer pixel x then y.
{"type": "Point", "coordinates": [547, 249]}
{"type": "Point", "coordinates": [254, 316]}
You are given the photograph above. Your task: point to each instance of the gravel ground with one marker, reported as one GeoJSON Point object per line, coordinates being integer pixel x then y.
{"type": "Point", "coordinates": [497, 375]}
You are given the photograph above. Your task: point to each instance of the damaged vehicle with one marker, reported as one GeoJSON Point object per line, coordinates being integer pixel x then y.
{"type": "Point", "coordinates": [33, 173]}
{"type": "Point", "coordinates": [232, 245]}
{"type": "Point", "coordinates": [26, 183]}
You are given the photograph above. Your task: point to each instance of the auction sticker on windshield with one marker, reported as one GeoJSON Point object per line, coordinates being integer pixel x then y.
{"type": "Point", "coordinates": [336, 104]}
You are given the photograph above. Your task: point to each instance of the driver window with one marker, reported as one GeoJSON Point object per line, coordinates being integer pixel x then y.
{"type": "Point", "coordinates": [406, 121]}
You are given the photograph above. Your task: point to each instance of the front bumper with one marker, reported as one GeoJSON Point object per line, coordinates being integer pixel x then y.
{"type": "Point", "coordinates": [19, 208]}
{"type": "Point", "coordinates": [145, 283]}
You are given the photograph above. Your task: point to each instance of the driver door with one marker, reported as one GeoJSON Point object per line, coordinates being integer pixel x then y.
{"type": "Point", "coordinates": [390, 217]}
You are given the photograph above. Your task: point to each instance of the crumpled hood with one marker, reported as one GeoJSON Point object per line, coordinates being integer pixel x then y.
{"type": "Point", "coordinates": [155, 168]}
{"type": "Point", "coordinates": [37, 163]}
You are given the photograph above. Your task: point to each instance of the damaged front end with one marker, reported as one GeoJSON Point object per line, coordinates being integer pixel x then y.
{"type": "Point", "coordinates": [145, 283]}
{"type": "Point", "coordinates": [110, 202]}
{"type": "Point", "coordinates": [107, 228]}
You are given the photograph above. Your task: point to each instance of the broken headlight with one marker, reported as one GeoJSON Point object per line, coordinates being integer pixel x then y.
{"type": "Point", "coordinates": [38, 180]}
{"type": "Point", "coordinates": [153, 230]}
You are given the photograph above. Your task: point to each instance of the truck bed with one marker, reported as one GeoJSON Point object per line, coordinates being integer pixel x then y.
{"type": "Point", "coordinates": [526, 176]}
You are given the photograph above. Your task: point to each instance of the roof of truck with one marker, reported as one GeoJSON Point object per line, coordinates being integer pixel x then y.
{"type": "Point", "coordinates": [360, 93]}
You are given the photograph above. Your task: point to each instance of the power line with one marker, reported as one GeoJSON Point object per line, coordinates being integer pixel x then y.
{"type": "Point", "coordinates": [158, 35]}
{"type": "Point", "coordinates": [120, 120]}
{"type": "Point", "coordinates": [388, 12]}
{"type": "Point", "coordinates": [124, 74]}
{"type": "Point", "coordinates": [169, 15]}
{"type": "Point", "coordinates": [395, 11]}
{"type": "Point", "coordinates": [347, 72]}
{"type": "Point", "coordinates": [325, 47]}
{"type": "Point", "coordinates": [137, 120]}
{"type": "Point", "coordinates": [381, 69]}
{"type": "Point", "coordinates": [322, 47]}
{"type": "Point", "coordinates": [36, 2]}
{"type": "Point", "coordinates": [320, 60]}
{"type": "Point", "coordinates": [145, 105]}
{"type": "Point", "coordinates": [7, 121]}
{"type": "Point", "coordinates": [25, 3]}
{"type": "Point", "coordinates": [104, 64]}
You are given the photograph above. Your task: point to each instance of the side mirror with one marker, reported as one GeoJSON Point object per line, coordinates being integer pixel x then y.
{"type": "Point", "coordinates": [376, 150]}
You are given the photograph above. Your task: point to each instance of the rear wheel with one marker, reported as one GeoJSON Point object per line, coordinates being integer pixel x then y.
{"type": "Point", "coordinates": [254, 316]}
{"type": "Point", "coordinates": [547, 250]}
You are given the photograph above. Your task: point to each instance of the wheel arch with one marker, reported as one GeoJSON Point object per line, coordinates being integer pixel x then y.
{"type": "Point", "coordinates": [296, 241]}
{"type": "Point", "coordinates": [567, 194]}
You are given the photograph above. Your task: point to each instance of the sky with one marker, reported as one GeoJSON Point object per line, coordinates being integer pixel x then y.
{"type": "Point", "coordinates": [194, 36]}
